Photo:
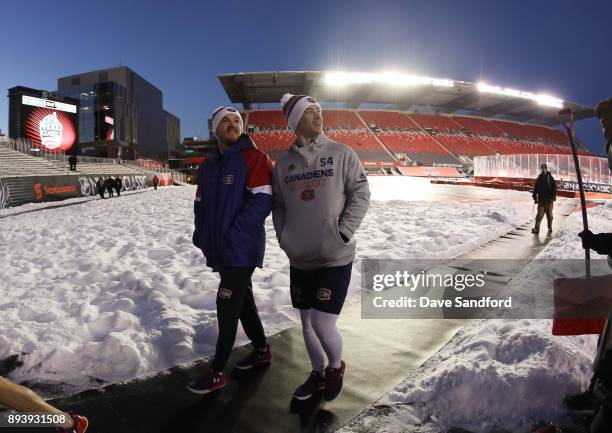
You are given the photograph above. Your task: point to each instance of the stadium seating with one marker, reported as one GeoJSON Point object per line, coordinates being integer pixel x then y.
{"type": "Point", "coordinates": [508, 137]}
{"type": "Point", "coordinates": [424, 138]}
{"type": "Point", "coordinates": [274, 141]}
{"type": "Point", "coordinates": [345, 127]}
{"type": "Point", "coordinates": [15, 163]}
{"type": "Point", "coordinates": [102, 168]}
{"type": "Point", "coordinates": [273, 137]}
{"type": "Point", "coordinates": [268, 119]}
{"type": "Point", "coordinates": [272, 134]}
{"type": "Point", "coordinates": [401, 135]}
{"type": "Point", "coordinates": [478, 126]}
{"type": "Point", "coordinates": [452, 135]}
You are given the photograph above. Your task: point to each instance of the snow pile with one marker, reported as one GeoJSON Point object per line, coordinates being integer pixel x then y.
{"type": "Point", "coordinates": [497, 374]}
{"type": "Point", "coordinates": [113, 289]}
{"type": "Point", "coordinates": [567, 245]}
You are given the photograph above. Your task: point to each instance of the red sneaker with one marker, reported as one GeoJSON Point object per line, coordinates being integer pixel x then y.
{"type": "Point", "coordinates": [79, 424]}
{"type": "Point", "coordinates": [257, 358]}
{"type": "Point", "coordinates": [314, 383]}
{"type": "Point", "coordinates": [210, 381]}
{"type": "Point", "coordinates": [333, 381]}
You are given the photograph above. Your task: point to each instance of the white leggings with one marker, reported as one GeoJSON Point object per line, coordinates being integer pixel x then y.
{"type": "Point", "coordinates": [321, 334]}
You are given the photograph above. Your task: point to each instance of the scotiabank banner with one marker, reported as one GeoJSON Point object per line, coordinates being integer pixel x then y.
{"type": "Point", "coordinates": [54, 188]}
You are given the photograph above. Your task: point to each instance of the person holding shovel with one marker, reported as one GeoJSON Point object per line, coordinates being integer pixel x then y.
{"type": "Point", "coordinates": [601, 383]}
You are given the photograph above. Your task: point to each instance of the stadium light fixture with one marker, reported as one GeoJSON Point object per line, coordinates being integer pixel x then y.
{"type": "Point", "coordinates": [386, 78]}
{"type": "Point", "coordinates": [541, 99]}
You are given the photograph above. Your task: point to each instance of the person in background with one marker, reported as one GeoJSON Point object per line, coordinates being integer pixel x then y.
{"type": "Point", "coordinates": [155, 182]}
{"type": "Point", "coordinates": [544, 194]}
{"type": "Point", "coordinates": [601, 243]}
{"type": "Point", "coordinates": [110, 184]}
{"type": "Point", "coordinates": [101, 186]}
{"type": "Point", "coordinates": [118, 185]}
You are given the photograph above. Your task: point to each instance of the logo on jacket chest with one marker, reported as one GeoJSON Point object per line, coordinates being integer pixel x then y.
{"type": "Point", "coordinates": [228, 179]}
{"type": "Point", "coordinates": [307, 194]}
{"type": "Point", "coordinates": [225, 293]}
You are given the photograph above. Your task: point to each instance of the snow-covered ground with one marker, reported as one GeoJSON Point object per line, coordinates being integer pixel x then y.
{"type": "Point", "coordinates": [113, 289]}
{"type": "Point", "coordinates": [495, 375]}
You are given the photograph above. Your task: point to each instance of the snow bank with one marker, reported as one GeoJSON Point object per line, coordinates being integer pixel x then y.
{"type": "Point", "coordinates": [113, 289]}
{"type": "Point", "coordinates": [496, 374]}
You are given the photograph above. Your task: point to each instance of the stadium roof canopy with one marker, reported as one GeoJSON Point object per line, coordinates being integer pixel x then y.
{"type": "Point", "coordinates": [400, 91]}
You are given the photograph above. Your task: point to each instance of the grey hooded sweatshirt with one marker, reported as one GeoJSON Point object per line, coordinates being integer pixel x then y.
{"type": "Point", "coordinates": [320, 193]}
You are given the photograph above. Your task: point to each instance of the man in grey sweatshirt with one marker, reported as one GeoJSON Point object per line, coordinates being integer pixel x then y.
{"type": "Point", "coordinates": [321, 195]}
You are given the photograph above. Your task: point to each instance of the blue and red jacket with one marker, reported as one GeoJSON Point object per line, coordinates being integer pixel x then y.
{"type": "Point", "coordinates": [233, 199]}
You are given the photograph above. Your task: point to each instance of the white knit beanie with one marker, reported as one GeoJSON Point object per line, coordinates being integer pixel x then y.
{"type": "Point", "coordinates": [220, 113]}
{"type": "Point", "coordinates": [293, 107]}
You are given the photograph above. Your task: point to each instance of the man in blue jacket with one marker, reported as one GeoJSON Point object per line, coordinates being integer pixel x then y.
{"type": "Point", "coordinates": [233, 199]}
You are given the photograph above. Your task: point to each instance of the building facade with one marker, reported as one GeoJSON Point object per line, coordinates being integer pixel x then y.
{"type": "Point", "coordinates": [173, 135]}
{"type": "Point", "coordinates": [121, 114]}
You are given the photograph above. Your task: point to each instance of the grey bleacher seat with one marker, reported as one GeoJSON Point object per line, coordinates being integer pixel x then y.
{"type": "Point", "coordinates": [14, 163]}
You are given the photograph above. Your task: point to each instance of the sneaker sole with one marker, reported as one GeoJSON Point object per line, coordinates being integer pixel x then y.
{"type": "Point", "coordinates": [203, 392]}
{"type": "Point", "coordinates": [306, 397]}
{"type": "Point", "coordinates": [248, 367]}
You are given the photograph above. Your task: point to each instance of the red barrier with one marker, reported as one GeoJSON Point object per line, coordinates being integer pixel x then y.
{"type": "Point", "coordinates": [430, 171]}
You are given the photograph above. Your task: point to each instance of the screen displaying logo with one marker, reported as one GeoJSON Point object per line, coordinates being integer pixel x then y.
{"type": "Point", "coordinates": [51, 131]}
{"type": "Point", "coordinates": [48, 124]}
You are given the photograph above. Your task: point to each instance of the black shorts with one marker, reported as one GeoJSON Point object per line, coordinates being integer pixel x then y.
{"type": "Point", "coordinates": [323, 289]}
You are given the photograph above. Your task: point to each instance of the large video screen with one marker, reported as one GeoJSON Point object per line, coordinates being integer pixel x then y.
{"type": "Point", "coordinates": [52, 125]}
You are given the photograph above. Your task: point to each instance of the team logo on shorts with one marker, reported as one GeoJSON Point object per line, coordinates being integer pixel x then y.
{"type": "Point", "coordinates": [229, 179]}
{"type": "Point", "coordinates": [324, 294]}
{"type": "Point", "coordinates": [225, 293]}
{"type": "Point", "coordinates": [291, 167]}
{"type": "Point", "coordinates": [307, 194]}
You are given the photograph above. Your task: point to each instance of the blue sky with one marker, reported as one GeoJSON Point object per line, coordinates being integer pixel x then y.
{"type": "Point", "coordinates": [558, 47]}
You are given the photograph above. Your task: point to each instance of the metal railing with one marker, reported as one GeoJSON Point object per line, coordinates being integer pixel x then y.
{"type": "Point", "coordinates": [594, 169]}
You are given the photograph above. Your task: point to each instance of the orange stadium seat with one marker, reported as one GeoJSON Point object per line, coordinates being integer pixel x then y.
{"type": "Point", "coordinates": [401, 135]}
{"type": "Point", "coordinates": [343, 126]}
{"type": "Point", "coordinates": [452, 135]}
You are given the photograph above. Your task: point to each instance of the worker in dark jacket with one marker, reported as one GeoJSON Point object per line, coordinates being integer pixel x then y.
{"type": "Point", "coordinates": [544, 194]}
{"type": "Point", "coordinates": [118, 185]}
{"type": "Point", "coordinates": [101, 186]}
{"type": "Point", "coordinates": [233, 199]}
{"type": "Point", "coordinates": [155, 182]}
{"type": "Point", "coordinates": [72, 160]}
{"type": "Point", "coordinates": [110, 184]}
